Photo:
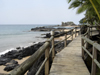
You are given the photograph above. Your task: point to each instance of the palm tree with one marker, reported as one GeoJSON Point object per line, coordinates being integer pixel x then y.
{"type": "Point", "coordinates": [91, 8]}
{"type": "Point", "coordinates": [87, 5]}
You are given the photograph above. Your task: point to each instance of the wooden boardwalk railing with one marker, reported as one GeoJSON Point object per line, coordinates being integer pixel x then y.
{"type": "Point", "coordinates": [69, 60]}
{"type": "Point", "coordinates": [96, 47]}
{"type": "Point", "coordinates": [26, 65]}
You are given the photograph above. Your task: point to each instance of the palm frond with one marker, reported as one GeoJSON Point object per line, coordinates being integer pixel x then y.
{"type": "Point", "coordinates": [75, 4]}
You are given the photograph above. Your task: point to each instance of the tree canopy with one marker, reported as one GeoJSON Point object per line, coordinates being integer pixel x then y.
{"type": "Point", "coordinates": [91, 8]}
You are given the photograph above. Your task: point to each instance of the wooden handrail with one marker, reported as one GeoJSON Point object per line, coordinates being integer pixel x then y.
{"type": "Point", "coordinates": [26, 65]}
{"type": "Point", "coordinates": [96, 47]}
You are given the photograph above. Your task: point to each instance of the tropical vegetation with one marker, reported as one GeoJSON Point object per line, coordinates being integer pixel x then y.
{"type": "Point", "coordinates": [91, 9]}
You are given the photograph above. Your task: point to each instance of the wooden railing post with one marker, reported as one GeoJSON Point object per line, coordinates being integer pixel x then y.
{"type": "Point", "coordinates": [47, 62]}
{"type": "Point", "coordinates": [65, 44]}
{"type": "Point", "coordinates": [75, 31]}
{"type": "Point", "coordinates": [91, 31]}
{"type": "Point", "coordinates": [72, 34]}
{"type": "Point", "coordinates": [93, 70]}
{"type": "Point", "coordinates": [88, 35]}
{"type": "Point", "coordinates": [53, 50]}
{"type": "Point", "coordinates": [82, 43]}
{"type": "Point", "coordinates": [80, 29]}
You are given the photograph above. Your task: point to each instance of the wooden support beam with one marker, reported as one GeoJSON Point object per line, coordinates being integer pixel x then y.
{"type": "Point", "coordinates": [53, 50]}
{"type": "Point", "coordinates": [75, 31]}
{"type": "Point", "coordinates": [82, 43]}
{"type": "Point", "coordinates": [72, 34]}
{"type": "Point", "coordinates": [93, 70]}
{"type": "Point", "coordinates": [47, 62]}
{"type": "Point", "coordinates": [65, 42]}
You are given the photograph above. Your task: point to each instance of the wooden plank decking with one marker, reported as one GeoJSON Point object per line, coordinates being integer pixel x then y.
{"type": "Point", "coordinates": [69, 60]}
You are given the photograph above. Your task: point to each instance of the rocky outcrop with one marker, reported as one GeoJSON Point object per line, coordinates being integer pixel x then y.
{"type": "Point", "coordinates": [42, 29]}
{"type": "Point", "coordinates": [68, 24]}
{"type": "Point", "coordinates": [47, 28]}
{"type": "Point", "coordinates": [48, 35]}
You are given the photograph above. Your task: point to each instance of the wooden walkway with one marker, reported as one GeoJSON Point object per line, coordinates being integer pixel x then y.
{"type": "Point", "coordinates": [69, 60]}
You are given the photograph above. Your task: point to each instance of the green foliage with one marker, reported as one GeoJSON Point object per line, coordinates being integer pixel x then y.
{"type": "Point", "coordinates": [98, 1]}
{"type": "Point", "coordinates": [87, 7]}
{"type": "Point", "coordinates": [69, 1]}
{"type": "Point", "coordinates": [75, 4]}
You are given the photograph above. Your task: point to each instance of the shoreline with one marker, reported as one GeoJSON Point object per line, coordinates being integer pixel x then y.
{"type": "Point", "coordinates": [25, 58]}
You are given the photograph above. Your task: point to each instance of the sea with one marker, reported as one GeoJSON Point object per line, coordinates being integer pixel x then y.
{"type": "Point", "coordinates": [13, 36]}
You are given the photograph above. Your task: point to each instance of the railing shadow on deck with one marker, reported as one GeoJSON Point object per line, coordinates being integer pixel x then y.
{"type": "Point", "coordinates": [26, 65]}
{"type": "Point", "coordinates": [96, 47]}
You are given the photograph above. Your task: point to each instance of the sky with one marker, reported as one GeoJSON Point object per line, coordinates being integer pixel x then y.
{"type": "Point", "coordinates": [37, 12]}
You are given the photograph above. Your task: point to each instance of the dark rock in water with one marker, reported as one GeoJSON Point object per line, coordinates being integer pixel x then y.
{"type": "Point", "coordinates": [4, 60]}
{"type": "Point", "coordinates": [14, 54]}
{"type": "Point", "coordinates": [42, 29]}
{"type": "Point", "coordinates": [10, 54]}
{"type": "Point", "coordinates": [18, 48]}
{"type": "Point", "coordinates": [48, 35]}
{"type": "Point", "coordinates": [10, 67]}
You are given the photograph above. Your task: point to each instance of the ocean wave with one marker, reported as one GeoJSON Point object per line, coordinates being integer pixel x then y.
{"type": "Point", "coordinates": [7, 51]}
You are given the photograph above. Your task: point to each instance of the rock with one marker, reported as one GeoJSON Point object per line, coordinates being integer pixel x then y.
{"type": "Point", "coordinates": [42, 29]}
{"type": "Point", "coordinates": [4, 60]}
{"type": "Point", "coordinates": [48, 35]}
{"type": "Point", "coordinates": [18, 48]}
{"type": "Point", "coordinates": [13, 62]}
{"type": "Point", "coordinates": [15, 54]}
{"type": "Point", "coordinates": [10, 67]}
{"type": "Point", "coordinates": [10, 54]}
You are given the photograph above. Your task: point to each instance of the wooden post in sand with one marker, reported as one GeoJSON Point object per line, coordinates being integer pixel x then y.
{"type": "Point", "coordinates": [53, 50]}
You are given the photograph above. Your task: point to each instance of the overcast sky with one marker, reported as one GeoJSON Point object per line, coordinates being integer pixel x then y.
{"type": "Point", "coordinates": [37, 12]}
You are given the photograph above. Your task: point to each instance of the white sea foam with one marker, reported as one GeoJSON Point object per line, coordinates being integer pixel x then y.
{"type": "Point", "coordinates": [28, 45]}
{"type": "Point", "coordinates": [7, 51]}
